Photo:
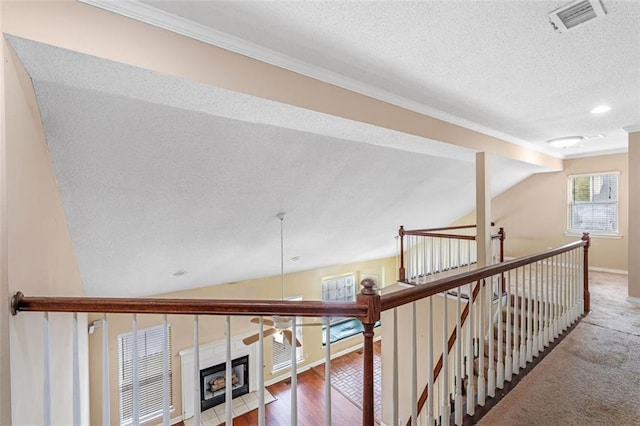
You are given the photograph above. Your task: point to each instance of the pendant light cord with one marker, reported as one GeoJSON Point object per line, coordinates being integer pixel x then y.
{"type": "Point", "coordinates": [281, 216]}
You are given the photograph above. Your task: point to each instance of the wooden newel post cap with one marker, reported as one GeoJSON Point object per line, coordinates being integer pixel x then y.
{"type": "Point", "coordinates": [587, 238]}
{"type": "Point", "coordinates": [15, 302]}
{"type": "Point", "coordinates": [368, 287]}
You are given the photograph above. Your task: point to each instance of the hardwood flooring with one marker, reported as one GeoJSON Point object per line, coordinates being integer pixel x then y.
{"type": "Point", "coordinates": [346, 394]}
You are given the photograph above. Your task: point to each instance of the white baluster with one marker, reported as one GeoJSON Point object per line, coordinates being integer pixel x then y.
{"type": "Point", "coordinates": [395, 367]}
{"type": "Point", "coordinates": [508, 360]}
{"type": "Point", "coordinates": [430, 389]}
{"type": "Point", "coordinates": [166, 405]}
{"type": "Point", "coordinates": [523, 324]}
{"type": "Point", "coordinates": [471, 407]}
{"type": "Point", "coordinates": [196, 370]}
{"type": "Point", "coordinates": [491, 372]}
{"type": "Point", "coordinates": [261, 413]}
{"type": "Point", "coordinates": [530, 317]}
{"type": "Point", "coordinates": [414, 366]}
{"type": "Point", "coordinates": [47, 409]}
{"type": "Point", "coordinates": [500, 363]}
{"type": "Point", "coordinates": [327, 372]}
{"type": "Point", "coordinates": [76, 373]}
{"type": "Point", "coordinates": [444, 395]}
{"type": "Point", "coordinates": [458, 365]}
{"type": "Point", "coordinates": [547, 302]}
{"type": "Point", "coordinates": [516, 327]}
{"type": "Point", "coordinates": [556, 299]}
{"type": "Point", "coordinates": [482, 381]}
{"type": "Point", "coordinates": [106, 404]}
{"type": "Point", "coordinates": [536, 315]}
{"type": "Point", "coordinates": [135, 417]}
{"type": "Point", "coordinates": [228, 378]}
{"type": "Point", "coordinates": [294, 372]}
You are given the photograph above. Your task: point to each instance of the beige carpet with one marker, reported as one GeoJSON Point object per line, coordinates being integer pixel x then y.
{"type": "Point", "coordinates": [592, 377]}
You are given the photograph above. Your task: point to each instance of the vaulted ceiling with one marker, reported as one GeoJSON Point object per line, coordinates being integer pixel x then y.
{"type": "Point", "coordinates": [159, 174]}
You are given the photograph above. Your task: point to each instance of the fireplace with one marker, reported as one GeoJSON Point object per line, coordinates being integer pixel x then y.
{"type": "Point", "coordinates": [213, 382]}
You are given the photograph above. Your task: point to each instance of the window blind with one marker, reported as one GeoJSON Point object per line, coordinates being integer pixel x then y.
{"type": "Point", "coordinates": [150, 355]}
{"type": "Point", "coordinates": [593, 203]}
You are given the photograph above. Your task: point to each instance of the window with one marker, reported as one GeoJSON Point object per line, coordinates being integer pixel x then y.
{"type": "Point", "coordinates": [282, 348]}
{"type": "Point", "coordinates": [593, 203]}
{"type": "Point", "coordinates": [150, 356]}
{"type": "Point", "coordinates": [339, 289]}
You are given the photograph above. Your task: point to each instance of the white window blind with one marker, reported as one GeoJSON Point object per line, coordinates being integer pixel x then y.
{"type": "Point", "coordinates": [593, 203]}
{"type": "Point", "coordinates": [150, 353]}
{"type": "Point", "coordinates": [282, 348]}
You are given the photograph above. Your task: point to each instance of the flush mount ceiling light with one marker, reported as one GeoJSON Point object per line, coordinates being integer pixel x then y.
{"type": "Point", "coordinates": [575, 13]}
{"type": "Point", "coordinates": [565, 142]}
{"type": "Point", "coordinates": [601, 109]}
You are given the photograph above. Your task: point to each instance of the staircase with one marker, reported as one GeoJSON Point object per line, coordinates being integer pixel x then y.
{"type": "Point", "coordinates": [522, 333]}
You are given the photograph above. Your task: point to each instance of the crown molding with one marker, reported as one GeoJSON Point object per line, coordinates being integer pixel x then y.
{"type": "Point", "coordinates": [632, 129]}
{"type": "Point", "coordinates": [161, 19]}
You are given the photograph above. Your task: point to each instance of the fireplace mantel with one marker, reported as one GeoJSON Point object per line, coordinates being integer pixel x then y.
{"type": "Point", "coordinates": [211, 354]}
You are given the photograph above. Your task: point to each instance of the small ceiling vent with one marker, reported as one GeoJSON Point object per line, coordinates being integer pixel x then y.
{"type": "Point", "coordinates": [575, 13]}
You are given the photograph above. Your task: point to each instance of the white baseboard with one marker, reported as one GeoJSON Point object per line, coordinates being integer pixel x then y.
{"type": "Point", "coordinates": [175, 420]}
{"type": "Point", "coordinates": [633, 299]}
{"type": "Point", "coordinates": [319, 362]}
{"type": "Point", "coordinates": [609, 270]}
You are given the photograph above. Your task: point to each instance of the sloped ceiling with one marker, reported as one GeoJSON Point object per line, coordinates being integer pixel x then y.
{"type": "Point", "coordinates": [160, 175]}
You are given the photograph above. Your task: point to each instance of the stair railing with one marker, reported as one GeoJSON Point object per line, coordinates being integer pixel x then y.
{"type": "Point", "coordinates": [366, 308]}
{"type": "Point", "coordinates": [426, 253]}
{"type": "Point", "coordinates": [479, 336]}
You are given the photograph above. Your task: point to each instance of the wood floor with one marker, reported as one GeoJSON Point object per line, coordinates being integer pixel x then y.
{"type": "Point", "coordinates": [346, 381]}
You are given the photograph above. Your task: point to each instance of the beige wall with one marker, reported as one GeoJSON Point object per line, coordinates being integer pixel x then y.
{"type": "Point", "coordinates": [306, 284]}
{"type": "Point", "coordinates": [5, 370]}
{"type": "Point", "coordinates": [534, 212]}
{"type": "Point", "coordinates": [634, 215]}
{"type": "Point", "coordinates": [41, 260]}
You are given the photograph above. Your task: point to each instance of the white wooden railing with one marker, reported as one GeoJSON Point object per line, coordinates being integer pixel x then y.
{"type": "Point", "coordinates": [470, 347]}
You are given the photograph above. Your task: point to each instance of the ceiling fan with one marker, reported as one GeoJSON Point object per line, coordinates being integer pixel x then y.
{"type": "Point", "coordinates": [278, 324]}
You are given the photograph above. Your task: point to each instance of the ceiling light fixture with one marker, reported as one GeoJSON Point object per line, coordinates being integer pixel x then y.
{"type": "Point", "coordinates": [601, 109]}
{"type": "Point", "coordinates": [179, 273]}
{"type": "Point", "coordinates": [565, 142]}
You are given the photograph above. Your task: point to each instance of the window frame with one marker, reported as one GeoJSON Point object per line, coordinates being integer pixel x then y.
{"type": "Point", "coordinates": [571, 202]}
{"type": "Point", "coordinates": [121, 373]}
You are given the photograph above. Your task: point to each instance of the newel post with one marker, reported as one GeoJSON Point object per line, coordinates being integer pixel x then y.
{"type": "Point", "coordinates": [587, 296]}
{"type": "Point", "coordinates": [368, 296]}
{"type": "Point", "coordinates": [401, 272]}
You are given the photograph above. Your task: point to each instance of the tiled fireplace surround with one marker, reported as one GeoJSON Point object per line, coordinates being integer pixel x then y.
{"type": "Point", "coordinates": [211, 354]}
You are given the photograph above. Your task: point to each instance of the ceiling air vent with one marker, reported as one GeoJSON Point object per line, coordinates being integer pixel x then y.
{"type": "Point", "coordinates": [575, 13]}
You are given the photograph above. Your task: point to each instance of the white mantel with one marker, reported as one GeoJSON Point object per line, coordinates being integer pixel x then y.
{"type": "Point", "coordinates": [212, 354]}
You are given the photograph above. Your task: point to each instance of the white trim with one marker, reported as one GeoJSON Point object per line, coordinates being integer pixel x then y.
{"type": "Point", "coordinates": [608, 270]}
{"type": "Point", "coordinates": [632, 129]}
{"type": "Point", "coordinates": [161, 19]}
{"type": "Point", "coordinates": [175, 420]}
{"type": "Point", "coordinates": [633, 299]}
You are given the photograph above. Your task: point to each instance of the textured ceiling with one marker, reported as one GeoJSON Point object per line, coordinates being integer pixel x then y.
{"type": "Point", "coordinates": [493, 66]}
{"type": "Point", "coordinates": [158, 174]}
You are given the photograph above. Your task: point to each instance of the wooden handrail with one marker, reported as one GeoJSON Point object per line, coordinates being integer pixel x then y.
{"type": "Point", "coordinates": [445, 228]}
{"type": "Point", "coordinates": [20, 302]}
{"type": "Point", "coordinates": [402, 297]}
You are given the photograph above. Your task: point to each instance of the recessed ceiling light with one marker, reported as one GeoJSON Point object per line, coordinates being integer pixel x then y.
{"type": "Point", "coordinates": [601, 109]}
{"type": "Point", "coordinates": [565, 142]}
{"type": "Point", "coordinates": [179, 273]}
